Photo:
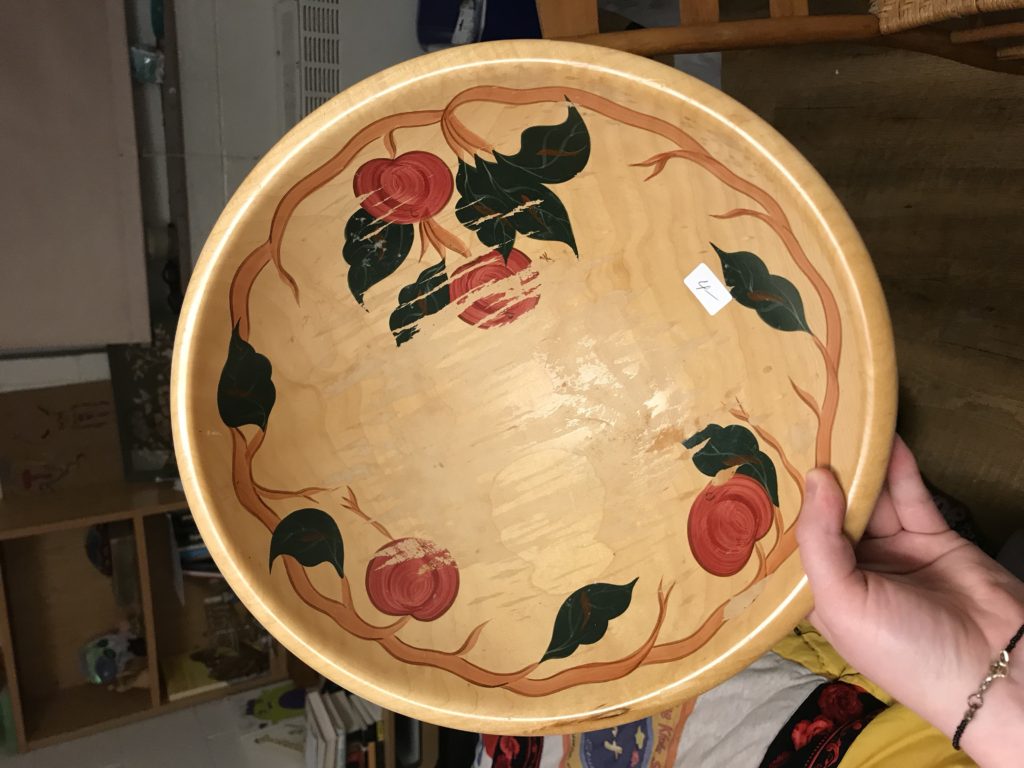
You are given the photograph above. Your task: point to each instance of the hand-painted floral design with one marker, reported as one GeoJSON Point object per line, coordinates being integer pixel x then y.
{"type": "Point", "coordinates": [841, 701]}
{"type": "Point", "coordinates": [508, 199]}
{"type": "Point", "coordinates": [806, 730]}
{"type": "Point", "coordinates": [501, 307]}
{"type": "Point", "coordinates": [410, 188]}
{"type": "Point", "coordinates": [725, 521]}
{"type": "Point", "coordinates": [514, 751]}
{"type": "Point", "coordinates": [412, 577]}
{"type": "Point", "coordinates": [823, 727]}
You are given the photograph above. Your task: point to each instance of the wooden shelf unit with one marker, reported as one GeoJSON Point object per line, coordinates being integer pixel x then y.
{"type": "Point", "coordinates": [52, 599]}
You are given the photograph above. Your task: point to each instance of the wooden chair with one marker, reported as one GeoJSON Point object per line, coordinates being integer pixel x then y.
{"type": "Point", "coordinates": [926, 26]}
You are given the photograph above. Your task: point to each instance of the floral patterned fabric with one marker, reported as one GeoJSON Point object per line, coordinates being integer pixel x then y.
{"type": "Point", "coordinates": [801, 706]}
{"type": "Point", "coordinates": [821, 731]}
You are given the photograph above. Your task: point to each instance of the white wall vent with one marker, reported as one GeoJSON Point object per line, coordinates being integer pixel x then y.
{"type": "Point", "coordinates": [319, 52]}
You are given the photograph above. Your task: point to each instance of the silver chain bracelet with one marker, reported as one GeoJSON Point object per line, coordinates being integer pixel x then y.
{"type": "Point", "coordinates": [999, 668]}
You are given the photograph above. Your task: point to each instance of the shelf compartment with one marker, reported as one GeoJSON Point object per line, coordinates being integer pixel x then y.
{"type": "Point", "coordinates": [22, 516]}
{"type": "Point", "coordinates": [57, 602]}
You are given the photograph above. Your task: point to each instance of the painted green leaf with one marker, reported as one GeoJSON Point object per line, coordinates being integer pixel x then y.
{"type": "Point", "coordinates": [552, 154]}
{"type": "Point", "coordinates": [734, 446]}
{"type": "Point", "coordinates": [483, 207]}
{"type": "Point", "coordinates": [429, 294]}
{"type": "Point", "coordinates": [373, 250]}
{"type": "Point", "coordinates": [498, 201]}
{"type": "Point", "coordinates": [583, 618]}
{"type": "Point", "coordinates": [310, 536]}
{"type": "Point", "coordinates": [245, 393]}
{"type": "Point", "coordinates": [773, 297]}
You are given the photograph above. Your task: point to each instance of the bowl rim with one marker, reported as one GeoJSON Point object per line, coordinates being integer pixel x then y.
{"type": "Point", "coordinates": [866, 298]}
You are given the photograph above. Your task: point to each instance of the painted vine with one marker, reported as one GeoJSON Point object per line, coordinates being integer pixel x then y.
{"type": "Point", "coordinates": [505, 196]}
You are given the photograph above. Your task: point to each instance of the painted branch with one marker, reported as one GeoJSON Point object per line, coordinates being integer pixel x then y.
{"type": "Point", "coordinates": [774, 216]}
{"type": "Point", "coordinates": [807, 399]}
{"type": "Point", "coordinates": [782, 550]}
{"type": "Point", "coordinates": [270, 251]}
{"type": "Point", "coordinates": [276, 494]}
{"type": "Point", "coordinates": [680, 649]}
{"type": "Point", "coordinates": [741, 414]}
{"type": "Point", "coordinates": [760, 563]}
{"type": "Point", "coordinates": [467, 646]}
{"type": "Point", "coordinates": [597, 672]}
{"type": "Point", "coordinates": [352, 504]}
{"type": "Point", "coordinates": [831, 349]}
{"type": "Point", "coordinates": [442, 238]}
{"type": "Point", "coordinates": [344, 615]}
{"type": "Point", "coordinates": [472, 142]}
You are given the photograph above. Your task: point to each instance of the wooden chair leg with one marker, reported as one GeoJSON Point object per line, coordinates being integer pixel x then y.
{"type": "Point", "coordinates": [692, 12]}
{"type": "Point", "coordinates": [567, 18]}
{"type": "Point", "coordinates": [780, 8]}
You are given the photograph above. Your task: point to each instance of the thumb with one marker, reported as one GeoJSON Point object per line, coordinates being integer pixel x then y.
{"type": "Point", "coordinates": [826, 553]}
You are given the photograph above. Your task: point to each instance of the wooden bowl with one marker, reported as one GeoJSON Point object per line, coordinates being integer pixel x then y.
{"type": "Point", "coordinates": [497, 380]}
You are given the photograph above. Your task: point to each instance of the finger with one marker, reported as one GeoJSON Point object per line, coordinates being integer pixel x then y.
{"type": "Point", "coordinates": [884, 521]}
{"type": "Point", "coordinates": [907, 553]}
{"type": "Point", "coordinates": [825, 551]}
{"type": "Point", "coordinates": [910, 497]}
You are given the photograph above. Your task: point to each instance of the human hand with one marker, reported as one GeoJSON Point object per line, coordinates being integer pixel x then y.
{"type": "Point", "coordinates": [916, 608]}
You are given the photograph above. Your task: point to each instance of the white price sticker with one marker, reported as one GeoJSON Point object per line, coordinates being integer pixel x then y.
{"type": "Point", "coordinates": [705, 285]}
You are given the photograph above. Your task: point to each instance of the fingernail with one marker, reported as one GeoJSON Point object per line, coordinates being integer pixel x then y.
{"type": "Point", "coordinates": [812, 485]}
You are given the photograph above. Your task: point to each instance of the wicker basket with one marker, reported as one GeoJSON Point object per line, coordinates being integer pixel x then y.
{"type": "Point", "coordinates": [897, 15]}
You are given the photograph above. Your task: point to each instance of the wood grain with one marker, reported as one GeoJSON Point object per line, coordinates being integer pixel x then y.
{"type": "Point", "coordinates": [698, 12]}
{"type": "Point", "coordinates": [927, 163]}
{"type": "Point", "coordinates": [988, 32]}
{"type": "Point", "coordinates": [142, 550]}
{"type": "Point", "coordinates": [463, 435]}
{"type": "Point", "coordinates": [10, 665]}
{"type": "Point", "coordinates": [732, 35]}
{"type": "Point", "coordinates": [567, 18]}
{"type": "Point", "coordinates": [81, 507]}
{"type": "Point", "coordinates": [779, 8]}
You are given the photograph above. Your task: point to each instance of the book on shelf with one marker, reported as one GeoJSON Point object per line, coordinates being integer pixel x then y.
{"type": "Point", "coordinates": [340, 730]}
{"type": "Point", "coordinates": [355, 754]}
{"type": "Point", "coordinates": [373, 717]}
{"type": "Point", "coordinates": [408, 749]}
{"type": "Point", "coordinates": [184, 528]}
{"type": "Point", "coordinates": [312, 752]}
{"type": "Point", "coordinates": [194, 553]}
{"type": "Point", "coordinates": [355, 730]}
{"type": "Point", "coordinates": [327, 735]}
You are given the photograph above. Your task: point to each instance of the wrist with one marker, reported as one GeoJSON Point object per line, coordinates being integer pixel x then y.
{"type": "Point", "coordinates": [995, 735]}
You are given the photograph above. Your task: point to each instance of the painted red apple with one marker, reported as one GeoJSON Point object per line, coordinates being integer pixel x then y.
{"type": "Point", "coordinates": [407, 189]}
{"type": "Point", "coordinates": [725, 521]}
{"type": "Point", "coordinates": [500, 307]}
{"type": "Point", "coordinates": [412, 577]}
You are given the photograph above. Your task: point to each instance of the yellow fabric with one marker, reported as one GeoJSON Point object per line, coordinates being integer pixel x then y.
{"type": "Point", "coordinates": [897, 737]}
{"type": "Point", "coordinates": [805, 646]}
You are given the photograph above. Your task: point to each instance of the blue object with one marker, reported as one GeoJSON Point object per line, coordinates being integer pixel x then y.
{"type": "Point", "coordinates": [441, 23]}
